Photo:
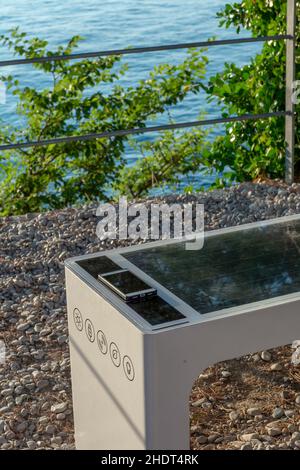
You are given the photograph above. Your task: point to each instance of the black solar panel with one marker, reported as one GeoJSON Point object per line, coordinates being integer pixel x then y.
{"type": "Point", "coordinates": [232, 269]}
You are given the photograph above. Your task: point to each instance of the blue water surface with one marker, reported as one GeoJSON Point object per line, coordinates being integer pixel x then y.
{"type": "Point", "coordinates": [110, 24]}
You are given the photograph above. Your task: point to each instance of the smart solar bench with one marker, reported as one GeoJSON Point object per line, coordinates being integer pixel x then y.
{"type": "Point", "coordinates": [145, 321]}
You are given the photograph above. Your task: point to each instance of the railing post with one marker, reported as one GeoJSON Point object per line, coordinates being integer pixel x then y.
{"type": "Point", "coordinates": [290, 79]}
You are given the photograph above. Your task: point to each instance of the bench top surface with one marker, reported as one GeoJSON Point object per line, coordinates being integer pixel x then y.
{"type": "Point", "coordinates": [233, 268]}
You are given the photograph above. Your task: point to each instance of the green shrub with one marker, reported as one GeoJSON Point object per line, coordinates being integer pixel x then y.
{"type": "Point", "coordinates": [59, 175]}
{"type": "Point", "coordinates": [254, 148]}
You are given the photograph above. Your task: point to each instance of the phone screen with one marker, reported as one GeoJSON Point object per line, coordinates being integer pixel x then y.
{"type": "Point", "coordinates": [125, 282]}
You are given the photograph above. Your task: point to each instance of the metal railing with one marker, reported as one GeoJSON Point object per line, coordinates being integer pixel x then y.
{"type": "Point", "coordinates": [288, 113]}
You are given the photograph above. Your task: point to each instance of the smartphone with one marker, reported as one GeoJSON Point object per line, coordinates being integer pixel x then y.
{"type": "Point", "coordinates": [127, 285]}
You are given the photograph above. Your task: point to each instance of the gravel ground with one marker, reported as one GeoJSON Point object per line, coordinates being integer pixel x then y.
{"type": "Point", "coordinates": [247, 403]}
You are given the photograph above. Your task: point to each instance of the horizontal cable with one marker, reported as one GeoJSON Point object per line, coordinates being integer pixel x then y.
{"type": "Point", "coordinates": [146, 130]}
{"type": "Point", "coordinates": [142, 50]}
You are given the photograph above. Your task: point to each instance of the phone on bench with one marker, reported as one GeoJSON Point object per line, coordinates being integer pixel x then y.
{"type": "Point", "coordinates": [127, 285]}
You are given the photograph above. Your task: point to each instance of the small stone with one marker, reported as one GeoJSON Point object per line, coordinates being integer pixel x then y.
{"type": "Point", "coordinates": [44, 420]}
{"type": "Point", "coordinates": [37, 374]}
{"type": "Point", "coordinates": [23, 326]}
{"type": "Point", "coordinates": [284, 394]}
{"type": "Point", "coordinates": [4, 409]}
{"type": "Point", "coordinates": [206, 404]}
{"type": "Point", "coordinates": [247, 446]}
{"type": "Point", "coordinates": [61, 416]}
{"type": "Point", "coordinates": [198, 403]}
{"type": "Point", "coordinates": [266, 356]}
{"type": "Point", "coordinates": [249, 437]}
{"type": "Point", "coordinates": [276, 367]}
{"type": "Point", "coordinates": [266, 438]}
{"type": "Point", "coordinates": [297, 400]}
{"type": "Point", "coordinates": [278, 413]}
{"type": "Point", "coordinates": [254, 411]}
{"type": "Point", "coordinates": [31, 445]}
{"type": "Point", "coordinates": [292, 428]}
{"type": "Point", "coordinates": [21, 427]}
{"type": "Point", "coordinates": [296, 436]}
{"type": "Point", "coordinates": [255, 442]}
{"type": "Point", "coordinates": [213, 437]}
{"type": "Point", "coordinates": [234, 416]}
{"type": "Point", "coordinates": [236, 444]}
{"type": "Point", "coordinates": [205, 376]}
{"type": "Point", "coordinates": [226, 374]}
{"type": "Point", "coordinates": [19, 400]}
{"type": "Point", "coordinates": [289, 413]}
{"type": "Point", "coordinates": [62, 339]}
{"type": "Point", "coordinates": [61, 407]}
{"type": "Point", "coordinates": [19, 390]}
{"type": "Point", "coordinates": [297, 444]}
{"type": "Point", "coordinates": [57, 440]}
{"type": "Point", "coordinates": [6, 446]}
{"type": "Point", "coordinates": [256, 358]}
{"type": "Point", "coordinates": [50, 429]}
{"type": "Point", "coordinates": [42, 383]}
{"type": "Point", "coordinates": [2, 424]}
{"type": "Point", "coordinates": [274, 432]}
{"type": "Point", "coordinates": [10, 435]}
{"type": "Point", "coordinates": [202, 440]}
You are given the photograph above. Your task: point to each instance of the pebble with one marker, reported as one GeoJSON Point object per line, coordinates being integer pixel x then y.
{"type": "Point", "coordinates": [296, 436]}
{"type": "Point", "coordinates": [21, 427]}
{"type": "Point", "coordinates": [213, 437]}
{"type": "Point", "coordinates": [62, 339]}
{"type": "Point", "coordinates": [256, 358]}
{"type": "Point", "coordinates": [19, 390]}
{"type": "Point", "coordinates": [249, 437]}
{"type": "Point", "coordinates": [2, 424]}
{"type": "Point", "coordinates": [56, 440]}
{"type": "Point", "coordinates": [225, 374]}
{"type": "Point", "coordinates": [43, 419]}
{"type": "Point", "coordinates": [10, 435]}
{"type": "Point", "coordinates": [23, 326]}
{"type": "Point", "coordinates": [284, 394]}
{"type": "Point", "coordinates": [42, 383]}
{"type": "Point", "coordinates": [266, 356]}
{"type": "Point", "coordinates": [31, 445]}
{"type": "Point", "coordinates": [254, 411]}
{"type": "Point", "coordinates": [297, 400]}
{"type": "Point", "coordinates": [278, 413]}
{"type": "Point", "coordinates": [61, 416]}
{"type": "Point", "coordinates": [276, 367]}
{"type": "Point", "coordinates": [274, 432]}
{"type": "Point", "coordinates": [198, 403]}
{"type": "Point", "coordinates": [61, 407]}
{"type": "Point", "coordinates": [247, 446]}
{"type": "Point", "coordinates": [50, 429]}
{"type": "Point", "coordinates": [234, 416]}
